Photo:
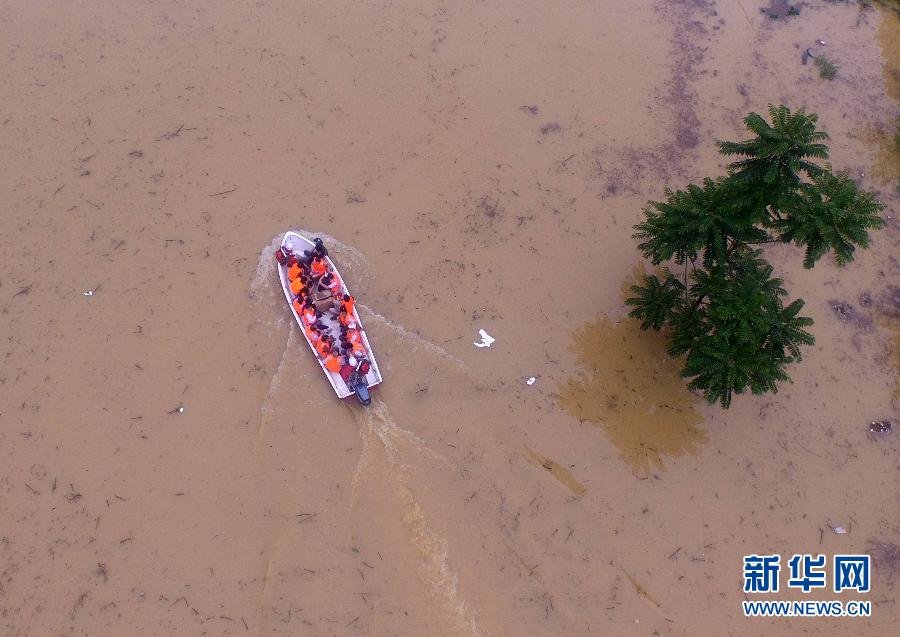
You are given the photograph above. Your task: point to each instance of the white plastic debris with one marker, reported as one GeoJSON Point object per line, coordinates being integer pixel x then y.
{"type": "Point", "coordinates": [486, 339]}
{"type": "Point", "coordinates": [88, 293]}
{"type": "Point", "coordinates": [839, 530]}
{"type": "Point", "coordinates": [821, 42]}
{"type": "Point", "coordinates": [530, 381]}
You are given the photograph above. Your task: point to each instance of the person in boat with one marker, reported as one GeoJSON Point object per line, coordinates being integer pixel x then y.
{"type": "Point", "coordinates": [359, 350]}
{"type": "Point", "coordinates": [283, 255]}
{"type": "Point", "coordinates": [309, 315]}
{"type": "Point", "coordinates": [326, 345]}
{"type": "Point", "coordinates": [294, 269]}
{"type": "Point", "coordinates": [305, 281]}
{"type": "Point", "coordinates": [349, 304]}
{"type": "Point", "coordinates": [334, 361]}
{"type": "Point", "coordinates": [318, 267]}
{"type": "Point", "coordinates": [321, 345]}
{"type": "Point", "coordinates": [297, 286]}
{"type": "Point", "coordinates": [351, 333]}
{"type": "Point", "coordinates": [319, 250]}
{"type": "Point", "coordinates": [297, 304]}
{"type": "Point", "coordinates": [351, 339]}
{"type": "Point", "coordinates": [330, 283]}
{"type": "Point", "coordinates": [359, 363]}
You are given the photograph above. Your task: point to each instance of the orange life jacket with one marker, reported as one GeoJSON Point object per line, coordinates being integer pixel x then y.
{"type": "Point", "coordinates": [319, 266]}
{"type": "Point", "coordinates": [293, 272]}
{"type": "Point", "coordinates": [298, 307]}
{"type": "Point", "coordinates": [350, 305]}
{"type": "Point", "coordinates": [335, 285]}
{"type": "Point", "coordinates": [322, 347]}
{"type": "Point", "coordinates": [353, 336]}
{"type": "Point", "coordinates": [332, 363]}
{"type": "Point", "coordinates": [358, 349]}
{"type": "Point", "coordinates": [297, 286]}
{"type": "Point", "coordinates": [309, 316]}
{"type": "Point", "coordinates": [312, 335]}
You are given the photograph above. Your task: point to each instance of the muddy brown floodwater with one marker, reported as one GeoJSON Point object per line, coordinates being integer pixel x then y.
{"type": "Point", "coordinates": [471, 165]}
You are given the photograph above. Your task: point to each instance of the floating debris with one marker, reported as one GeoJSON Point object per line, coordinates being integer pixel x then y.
{"type": "Point", "coordinates": [530, 381]}
{"type": "Point", "coordinates": [486, 339]}
{"type": "Point", "coordinates": [886, 555]}
{"type": "Point", "coordinates": [881, 427]}
{"type": "Point", "coordinates": [846, 313]}
{"type": "Point", "coordinates": [178, 410]}
{"type": "Point", "coordinates": [839, 530]}
{"type": "Point", "coordinates": [779, 9]}
{"type": "Point", "coordinates": [550, 128]}
{"type": "Point", "coordinates": [557, 471]}
{"type": "Point", "coordinates": [641, 591]}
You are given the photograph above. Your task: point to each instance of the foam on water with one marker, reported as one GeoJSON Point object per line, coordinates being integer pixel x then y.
{"type": "Point", "coordinates": [378, 418]}
{"type": "Point", "coordinates": [417, 340]}
{"type": "Point", "coordinates": [266, 411]}
{"type": "Point", "coordinates": [378, 426]}
{"type": "Point", "coordinates": [263, 278]}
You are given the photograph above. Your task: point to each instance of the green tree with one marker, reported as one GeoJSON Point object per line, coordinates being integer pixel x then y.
{"type": "Point", "coordinates": [727, 315]}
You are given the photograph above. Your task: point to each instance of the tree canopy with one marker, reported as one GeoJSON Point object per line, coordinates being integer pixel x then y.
{"type": "Point", "coordinates": [728, 315]}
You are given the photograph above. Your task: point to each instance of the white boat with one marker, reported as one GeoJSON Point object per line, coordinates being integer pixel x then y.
{"type": "Point", "coordinates": [347, 382]}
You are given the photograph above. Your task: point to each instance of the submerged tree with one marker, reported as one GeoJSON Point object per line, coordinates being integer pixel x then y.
{"type": "Point", "coordinates": [727, 314]}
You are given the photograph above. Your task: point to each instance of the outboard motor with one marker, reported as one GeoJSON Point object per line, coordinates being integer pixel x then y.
{"type": "Point", "coordinates": [357, 383]}
{"type": "Point", "coordinates": [362, 394]}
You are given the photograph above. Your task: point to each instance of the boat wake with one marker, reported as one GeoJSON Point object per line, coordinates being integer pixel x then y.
{"type": "Point", "coordinates": [388, 455]}
{"type": "Point", "coordinates": [380, 435]}
{"type": "Point", "coordinates": [264, 288]}
{"type": "Point", "coordinates": [266, 411]}
{"type": "Point", "coordinates": [418, 341]}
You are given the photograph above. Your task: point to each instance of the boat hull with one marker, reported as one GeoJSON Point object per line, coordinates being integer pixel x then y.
{"type": "Point", "coordinates": [373, 377]}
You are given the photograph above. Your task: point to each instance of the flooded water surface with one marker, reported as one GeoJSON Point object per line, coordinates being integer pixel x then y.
{"type": "Point", "coordinates": [173, 462]}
